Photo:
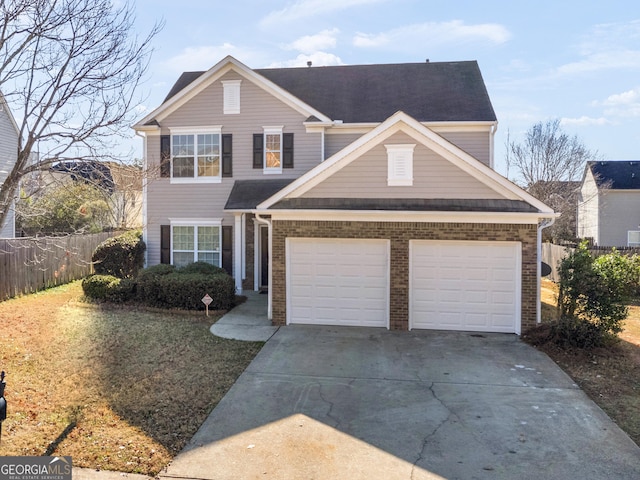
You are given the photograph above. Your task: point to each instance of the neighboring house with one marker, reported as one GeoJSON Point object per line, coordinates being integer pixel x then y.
{"type": "Point", "coordinates": [9, 134]}
{"type": "Point", "coordinates": [357, 195]}
{"type": "Point", "coordinates": [120, 183]}
{"type": "Point", "coordinates": [609, 204]}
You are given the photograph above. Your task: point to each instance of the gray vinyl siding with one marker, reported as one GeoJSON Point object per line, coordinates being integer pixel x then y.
{"type": "Point", "coordinates": [433, 177]}
{"type": "Point", "coordinates": [588, 206]}
{"type": "Point", "coordinates": [619, 213]}
{"type": "Point", "coordinates": [258, 109]}
{"type": "Point", "coordinates": [476, 144]}
{"type": "Point", "coordinates": [335, 142]}
{"type": "Point", "coordinates": [8, 156]}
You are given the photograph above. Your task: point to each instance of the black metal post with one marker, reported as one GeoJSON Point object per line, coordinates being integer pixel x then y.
{"type": "Point", "coordinates": [3, 402]}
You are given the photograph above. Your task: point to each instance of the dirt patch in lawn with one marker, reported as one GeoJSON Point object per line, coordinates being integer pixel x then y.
{"type": "Point", "coordinates": [610, 376]}
{"type": "Point", "coordinates": [116, 388]}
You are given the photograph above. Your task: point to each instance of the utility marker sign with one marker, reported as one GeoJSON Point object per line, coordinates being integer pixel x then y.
{"type": "Point", "coordinates": [207, 301]}
{"type": "Point", "coordinates": [35, 468]}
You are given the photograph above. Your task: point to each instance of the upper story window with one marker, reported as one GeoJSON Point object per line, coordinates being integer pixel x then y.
{"type": "Point", "coordinates": [231, 96]}
{"type": "Point", "coordinates": [272, 150]}
{"type": "Point", "coordinates": [633, 238]}
{"type": "Point", "coordinates": [400, 165]}
{"type": "Point", "coordinates": [195, 155]}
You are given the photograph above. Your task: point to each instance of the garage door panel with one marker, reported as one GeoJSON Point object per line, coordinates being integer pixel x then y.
{"type": "Point", "coordinates": [338, 281]}
{"type": "Point", "coordinates": [465, 285]}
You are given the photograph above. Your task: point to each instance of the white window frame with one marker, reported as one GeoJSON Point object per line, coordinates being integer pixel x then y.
{"type": "Point", "coordinates": [231, 96]}
{"type": "Point", "coordinates": [194, 132]}
{"type": "Point", "coordinates": [196, 223]}
{"type": "Point", "coordinates": [631, 243]}
{"type": "Point", "coordinates": [400, 165]}
{"type": "Point", "coordinates": [271, 131]}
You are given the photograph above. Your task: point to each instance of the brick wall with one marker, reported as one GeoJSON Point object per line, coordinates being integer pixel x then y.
{"type": "Point", "coordinates": [400, 233]}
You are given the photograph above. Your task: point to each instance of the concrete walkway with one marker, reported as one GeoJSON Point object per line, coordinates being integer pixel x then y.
{"type": "Point", "coordinates": [248, 321]}
{"type": "Point", "coordinates": [363, 403]}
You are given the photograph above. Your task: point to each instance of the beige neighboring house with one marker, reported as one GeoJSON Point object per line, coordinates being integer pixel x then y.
{"type": "Point", "coordinates": [609, 203]}
{"type": "Point", "coordinates": [9, 133]}
{"type": "Point", "coordinates": [358, 195]}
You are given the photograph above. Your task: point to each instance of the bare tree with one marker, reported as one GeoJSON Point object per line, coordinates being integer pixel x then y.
{"type": "Point", "coordinates": [69, 70]}
{"type": "Point", "coordinates": [549, 163]}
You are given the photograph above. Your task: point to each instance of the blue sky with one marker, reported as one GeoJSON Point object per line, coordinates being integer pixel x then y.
{"type": "Point", "coordinates": [578, 61]}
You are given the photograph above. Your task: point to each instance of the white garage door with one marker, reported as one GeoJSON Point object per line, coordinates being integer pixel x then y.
{"type": "Point", "coordinates": [338, 281]}
{"type": "Point", "coordinates": [470, 286]}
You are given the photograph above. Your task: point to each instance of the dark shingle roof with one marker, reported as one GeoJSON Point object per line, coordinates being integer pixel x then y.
{"type": "Point", "coordinates": [430, 91]}
{"type": "Point", "coordinates": [617, 174]}
{"type": "Point", "coordinates": [408, 204]}
{"type": "Point", "coordinates": [91, 171]}
{"type": "Point", "coordinates": [247, 194]}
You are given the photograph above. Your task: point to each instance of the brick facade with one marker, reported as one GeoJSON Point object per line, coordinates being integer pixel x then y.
{"type": "Point", "coordinates": [399, 233]}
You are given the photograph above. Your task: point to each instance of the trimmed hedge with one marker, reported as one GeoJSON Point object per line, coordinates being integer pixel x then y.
{"type": "Point", "coordinates": [121, 256]}
{"type": "Point", "coordinates": [165, 286]}
{"type": "Point", "coordinates": [109, 288]}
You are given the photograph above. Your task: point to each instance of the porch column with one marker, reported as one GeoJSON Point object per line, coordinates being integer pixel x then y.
{"type": "Point", "coordinates": [238, 238]}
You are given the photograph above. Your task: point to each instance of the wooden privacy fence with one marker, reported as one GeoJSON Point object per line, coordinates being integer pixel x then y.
{"type": "Point", "coordinates": [552, 254]}
{"type": "Point", "coordinates": [28, 265]}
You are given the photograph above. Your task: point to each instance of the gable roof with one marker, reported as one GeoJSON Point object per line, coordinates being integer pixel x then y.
{"type": "Point", "coordinates": [616, 174]}
{"type": "Point", "coordinates": [400, 121]}
{"type": "Point", "coordinates": [429, 91]}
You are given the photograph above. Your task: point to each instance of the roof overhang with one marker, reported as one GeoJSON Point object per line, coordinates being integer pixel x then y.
{"type": "Point", "coordinates": [224, 66]}
{"type": "Point", "coordinates": [400, 121]}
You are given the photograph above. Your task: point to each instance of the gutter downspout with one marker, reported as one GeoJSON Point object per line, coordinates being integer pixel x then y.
{"type": "Point", "coordinates": [543, 224]}
{"type": "Point", "coordinates": [492, 136]}
{"type": "Point", "coordinates": [267, 222]}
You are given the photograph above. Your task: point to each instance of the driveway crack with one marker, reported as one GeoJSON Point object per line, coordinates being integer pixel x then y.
{"type": "Point", "coordinates": [431, 434]}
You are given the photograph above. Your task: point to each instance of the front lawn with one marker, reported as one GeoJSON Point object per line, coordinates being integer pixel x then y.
{"type": "Point", "coordinates": [117, 388]}
{"type": "Point", "coordinates": [610, 376]}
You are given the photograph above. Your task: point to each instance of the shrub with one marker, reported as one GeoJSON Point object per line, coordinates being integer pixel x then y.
{"type": "Point", "coordinates": [108, 288]}
{"type": "Point", "coordinates": [203, 268]}
{"type": "Point", "coordinates": [121, 256]}
{"type": "Point", "coordinates": [165, 286]}
{"type": "Point", "coordinates": [590, 298]}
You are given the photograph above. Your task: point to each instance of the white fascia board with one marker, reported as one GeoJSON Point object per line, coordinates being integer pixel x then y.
{"type": "Point", "coordinates": [524, 218]}
{"type": "Point", "coordinates": [217, 71]}
{"type": "Point", "coordinates": [12, 119]}
{"type": "Point", "coordinates": [400, 121]}
{"type": "Point", "coordinates": [148, 129]}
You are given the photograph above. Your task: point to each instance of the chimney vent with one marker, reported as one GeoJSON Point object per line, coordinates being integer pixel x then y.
{"type": "Point", "coordinates": [309, 63]}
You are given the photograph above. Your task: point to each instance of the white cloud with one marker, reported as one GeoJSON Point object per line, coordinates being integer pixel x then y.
{"type": "Point", "coordinates": [318, 59]}
{"type": "Point", "coordinates": [308, 8]}
{"type": "Point", "coordinates": [434, 33]}
{"type": "Point", "coordinates": [308, 44]}
{"type": "Point", "coordinates": [625, 104]}
{"type": "Point", "coordinates": [584, 121]}
{"type": "Point", "coordinates": [609, 60]}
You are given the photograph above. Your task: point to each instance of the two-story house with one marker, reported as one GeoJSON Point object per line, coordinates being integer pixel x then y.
{"type": "Point", "coordinates": [9, 133]}
{"type": "Point", "coordinates": [608, 210]}
{"type": "Point", "coordinates": [356, 195]}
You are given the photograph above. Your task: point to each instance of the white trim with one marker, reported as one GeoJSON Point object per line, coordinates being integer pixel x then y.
{"type": "Point", "coordinates": [224, 66]}
{"type": "Point", "coordinates": [196, 221]}
{"type": "Point", "coordinates": [256, 255]}
{"type": "Point", "coordinates": [401, 122]}
{"type": "Point", "coordinates": [518, 276]}
{"type": "Point", "coordinates": [238, 239]}
{"type": "Point", "coordinates": [231, 96]}
{"type": "Point", "coordinates": [408, 216]}
{"type": "Point", "coordinates": [196, 130]}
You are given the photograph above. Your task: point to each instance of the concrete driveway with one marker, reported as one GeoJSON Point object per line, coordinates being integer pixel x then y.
{"type": "Point", "coordinates": [330, 403]}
